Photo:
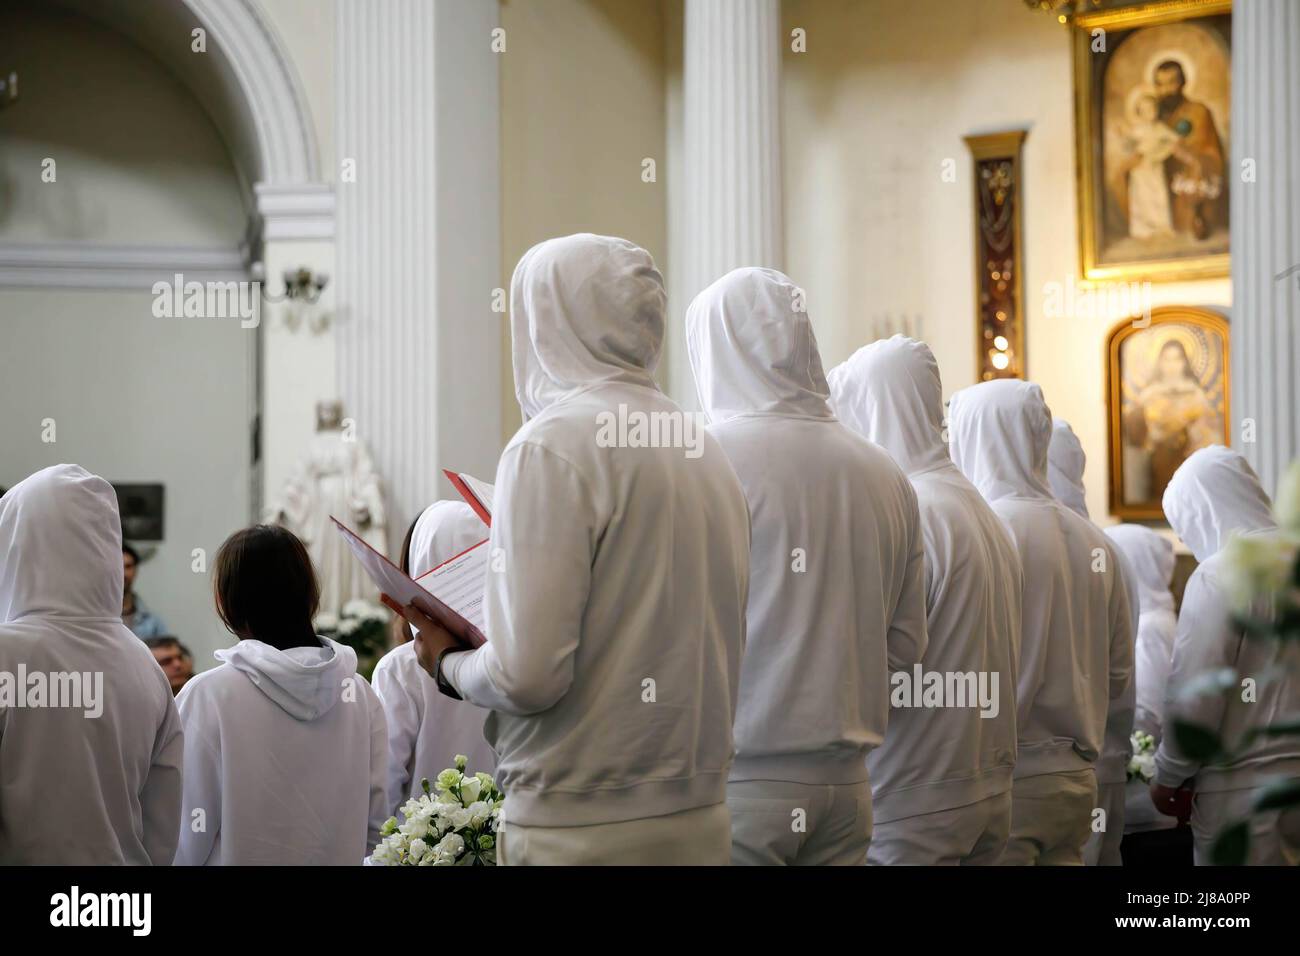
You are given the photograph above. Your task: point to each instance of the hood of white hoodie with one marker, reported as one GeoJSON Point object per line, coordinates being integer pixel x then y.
{"type": "Point", "coordinates": [444, 530]}
{"type": "Point", "coordinates": [61, 547]}
{"type": "Point", "coordinates": [305, 682]}
{"type": "Point", "coordinates": [1212, 494]}
{"type": "Point", "coordinates": [999, 433]}
{"type": "Point", "coordinates": [1151, 559]}
{"type": "Point", "coordinates": [890, 392]}
{"type": "Point", "coordinates": [1065, 464]}
{"type": "Point", "coordinates": [753, 350]}
{"type": "Point", "coordinates": [584, 310]}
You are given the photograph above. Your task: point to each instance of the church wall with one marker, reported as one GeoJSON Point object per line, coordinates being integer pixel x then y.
{"type": "Point", "coordinates": [582, 104]}
{"type": "Point", "coordinates": [882, 97]}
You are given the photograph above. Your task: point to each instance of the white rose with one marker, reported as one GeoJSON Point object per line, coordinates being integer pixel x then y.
{"type": "Point", "coordinates": [452, 845]}
{"type": "Point", "coordinates": [469, 790]}
{"type": "Point", "coordinates": [357, 608]}
{"type": "Point", "coordinates": [1256, 566]}
{"type": "Point", "coordinates": [1286, 503]}
{"type": "Point", "coordinates": [460, 818]}
{"type": "Point", "coordinates": [418, 850]}
{"type": "Point", "coordinates": [325, 622]}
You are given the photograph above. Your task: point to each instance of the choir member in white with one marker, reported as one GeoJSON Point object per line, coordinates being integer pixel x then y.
{"type": "Point", "coordinates": [426, 728]}
{"type": "Point", "coordinates": [788, 571]}
{"type": "Point", "coordinates": [1213, 495]}
{"type": "Point", "coordinates": [1151, 558]}
{"type": "Point", "coordinates": [286, 749]}
{"type": "Point", "coordinates": [616, 627]}
{"type": "Point", "coordinates": [1065, 465]}
{"type": "Point", "coordinates": [91, 772]}
{"type": "Point", "coordinates": [1076, 630]}
{"type": "Point", "coordinates": [942, 780]}
{"type": "Point", "coordinates": [837, 577]}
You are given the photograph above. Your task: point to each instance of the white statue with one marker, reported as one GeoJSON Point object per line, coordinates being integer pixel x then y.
{"type": "Point", "coordinates": [337, 479]}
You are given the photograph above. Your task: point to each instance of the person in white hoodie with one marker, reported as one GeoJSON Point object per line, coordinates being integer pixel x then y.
{"type": "Point", "coordinates": [1151, 557]}
{"type": "Point", "coordinates": [1066, 462]}
{"type": "Point", "coordinates": [616, 626]}
{"type": "Point", "coordinates": [837, 577]}
{"type": "Point", "coordinates": [1076, 633]}
{"type": "Point", "coordinates": [941, 781]}
{"type": "Point", "coordinates": [426, 728]}
{"type": "Point", "coordinates": [1213, 495]}
{"type": "Point", "coordinates": [286, 749]}
{"type": "Point", "coordinates": [90, 770]}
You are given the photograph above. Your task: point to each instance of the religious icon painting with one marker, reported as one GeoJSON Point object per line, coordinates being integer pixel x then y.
{"type": "Point", "coordinates": [1152, 104]}
{"type": "Point", "coordinates": [1167, 396]}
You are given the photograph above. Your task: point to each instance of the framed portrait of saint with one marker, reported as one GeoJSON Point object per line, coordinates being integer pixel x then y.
{"type": "Point", "coordinates": [1152, 102]}
{"type": "Point", "coordinates": [1167, 385]}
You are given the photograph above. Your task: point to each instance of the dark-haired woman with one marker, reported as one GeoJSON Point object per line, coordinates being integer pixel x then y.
{"type": "Point", "coordinates": [285, 744]}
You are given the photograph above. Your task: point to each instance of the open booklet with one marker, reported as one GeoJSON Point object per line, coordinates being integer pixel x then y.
{"type": "Point", "coordinates": [451, 593]}
{"type": "Point", "coordinates": [477, 494]}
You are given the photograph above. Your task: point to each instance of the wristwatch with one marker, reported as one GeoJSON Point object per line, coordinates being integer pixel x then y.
{"type": "Point", "coordinates": [444, 685]}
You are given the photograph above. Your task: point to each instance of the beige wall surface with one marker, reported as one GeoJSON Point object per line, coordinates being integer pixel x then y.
{"type": "Point", "coordinates": [882, 97]}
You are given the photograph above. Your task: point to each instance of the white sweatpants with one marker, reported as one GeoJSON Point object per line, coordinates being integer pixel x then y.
{"type": "Point", "coordinates": [1102, 848]}
{"type": "Point", "coordinates": [973, 835]}
{"type": "Point", "coordinates": [1274, 834]}
{"type": "Point", "coordinates": [699, 837]}
{"type": "Point", "coordinates": [1051, 816]}
{"type": "Point", "coordinates": [780, 823]}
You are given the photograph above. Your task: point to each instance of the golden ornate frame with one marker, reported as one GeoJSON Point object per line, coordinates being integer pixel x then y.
{"type": "Point", "coordinates": [1087, 144]}
{"type": "Point", "coordinates": [1187, 315]}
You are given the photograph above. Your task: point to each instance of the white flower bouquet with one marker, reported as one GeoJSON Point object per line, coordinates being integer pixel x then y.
{"type": "Point", "coordinates": [1142, 765]}
{"type": "Point", "coordinates": [453, 823]}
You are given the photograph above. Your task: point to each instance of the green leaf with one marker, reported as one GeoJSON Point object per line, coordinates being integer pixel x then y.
{"type": "Point", "coordinates": [1231, 846]}
{"type": "Point", "coordinates": [1278, 795]}
{"type": "Point", "coordinates": [1196, 742]}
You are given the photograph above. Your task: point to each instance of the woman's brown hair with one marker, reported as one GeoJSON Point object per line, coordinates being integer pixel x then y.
{"type": "Point", "coordinates": [265, 587]}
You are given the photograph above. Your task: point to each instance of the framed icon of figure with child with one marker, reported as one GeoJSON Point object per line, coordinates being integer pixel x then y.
{"type": "Point", "coordinates": [1167, 397]}
{"type": "Point", "coordinates": [1152, 105]}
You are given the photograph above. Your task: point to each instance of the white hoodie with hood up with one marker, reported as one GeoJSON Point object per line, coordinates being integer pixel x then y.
{"type": "Point", "coordinates": [426, 728]}
{"type": "Point", "coordinates": [1151, 556]}
{"type": "Point", "coordinates": [1076, 635]}
{"type": "Point", "coordinates": [1214, 494]}
{"type": "Point", "coordinates": [286, 755]}
{"type": "Point", "coordinates": [615, 630]}
{"type": "Point", "coordinates": [95, 781]}
{"type": "Point", "coordinates": [1066, 462]}
{"type": "Point", "coordinates": [837, 574]}
{"type": "Point", "coordinates": [940, 758]}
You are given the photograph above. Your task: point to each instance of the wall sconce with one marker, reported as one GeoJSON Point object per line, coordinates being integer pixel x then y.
{"type": "Point", "coordinates": [302, 290]}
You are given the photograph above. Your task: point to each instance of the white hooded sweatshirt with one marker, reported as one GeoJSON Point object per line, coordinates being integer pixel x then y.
{"type": "Point", "coordinates": [286, 757]}
{"type": "Point", "coordinates": [90, 771]}
{"type": "Point", "coordinates": [426, 728]}
{"type": "Point", "coordinates": [1214, 494]}
{"type": "Point", "coordinates": [940, 758]}
{"type": "Point", "coordinates": [837, 574]}
{"type": "Point", "coordinates": [1076, 634]}
{"type": "Point", "coordinates": [1151, 556]}
{"type": "Point", "coordinates": [1066, 462]}
{"type": "Point", "coordinates": [616, 629]}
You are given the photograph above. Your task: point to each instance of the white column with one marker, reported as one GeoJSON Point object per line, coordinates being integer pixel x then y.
{"type": "Point", "coordinates": [728, 213]}
{"type": "Point", "coordinates": [1265, 338]}
{"type": "Point", "coordinates": [418, 346]}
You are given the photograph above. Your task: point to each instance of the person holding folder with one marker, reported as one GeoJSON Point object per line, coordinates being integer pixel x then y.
{"type": "Point", "coordinates": [615, 599]}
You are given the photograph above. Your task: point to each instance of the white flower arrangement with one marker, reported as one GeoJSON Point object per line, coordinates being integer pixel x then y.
{"type": "Point", "coordinates": [1142, 765]}
{"type": "Point", "coordinates": [453, 823]}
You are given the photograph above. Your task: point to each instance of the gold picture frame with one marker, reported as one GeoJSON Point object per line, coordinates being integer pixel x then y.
{"type": "Point", "coordinates": [1168, 389]}
{"type": "Point", "coordinates": [1152, 107]}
